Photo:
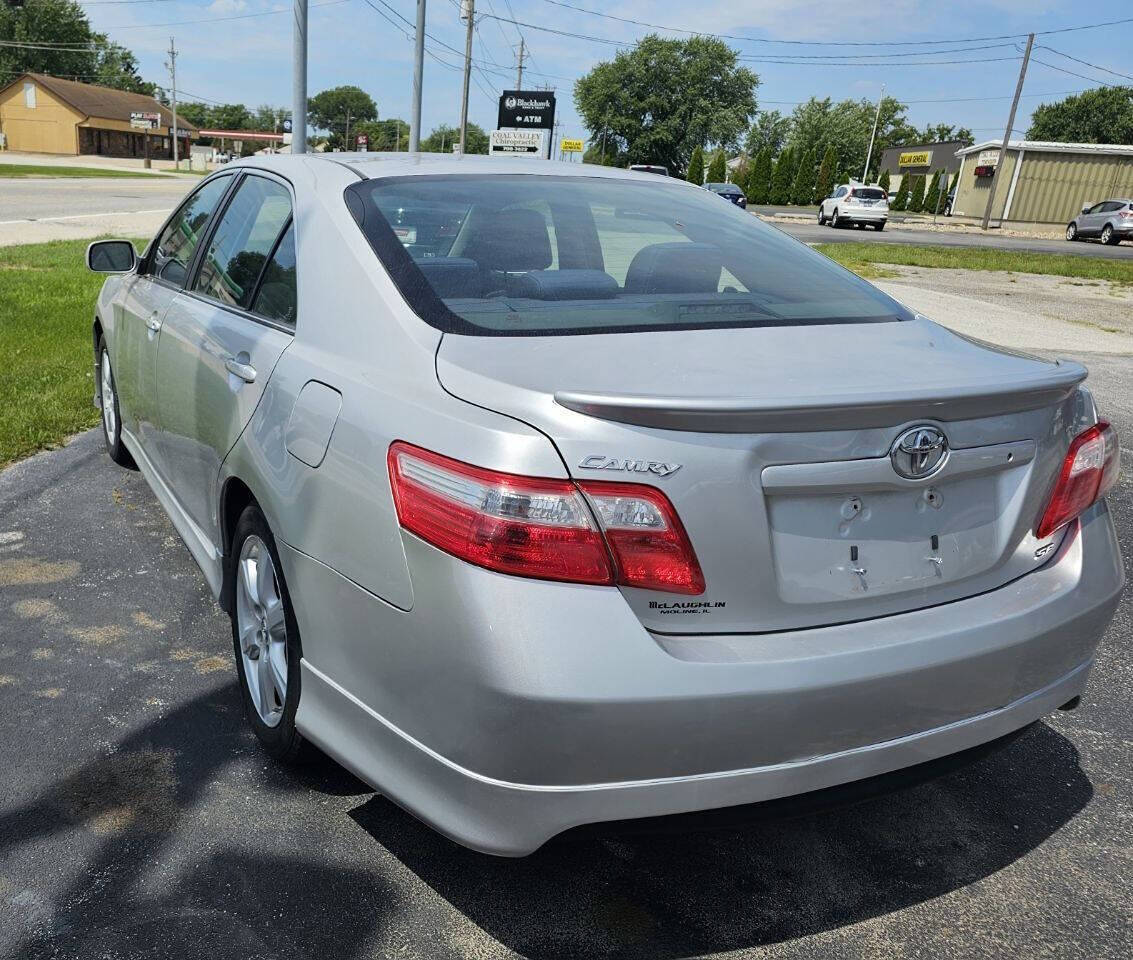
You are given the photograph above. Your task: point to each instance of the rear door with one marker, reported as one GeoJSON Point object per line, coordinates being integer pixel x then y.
{"type": "Point", "coordinates": [222, 338]}
{"type": "Point", "coordinates": [145, 302]}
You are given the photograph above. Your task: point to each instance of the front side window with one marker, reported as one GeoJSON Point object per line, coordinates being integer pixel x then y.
{"type": "Point", "coordinates": [522, 254]}
{"type": "Point", "coordinates": [178, 241]}
{"type": "Point", "coordinates": [243, 241]}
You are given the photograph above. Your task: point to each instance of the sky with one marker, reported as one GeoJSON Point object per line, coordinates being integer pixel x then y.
{"type": "Point", "coordinates": [239, 51]}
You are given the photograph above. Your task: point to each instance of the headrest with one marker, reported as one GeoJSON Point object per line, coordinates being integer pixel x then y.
{"type": "Point", "coordinates": [675, 268]}
{"type": "Point", "coordinates": [512, 241]}
{"type": "Point", "coordinates": [563, 285]}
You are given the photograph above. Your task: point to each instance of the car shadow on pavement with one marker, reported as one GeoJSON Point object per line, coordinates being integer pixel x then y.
{"type": "Point", "coordinates": [687, 894]}
{"type": "Point", "coordinates": [251, 889]}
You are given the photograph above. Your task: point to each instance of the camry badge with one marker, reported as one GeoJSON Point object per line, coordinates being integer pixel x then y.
{"type": "Point", "coordinates": [598, 462]}
{"type": "Point", "coordinates": [919, 452]}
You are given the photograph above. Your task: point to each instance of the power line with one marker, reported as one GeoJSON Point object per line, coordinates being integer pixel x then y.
{"type": "Point", "coordinates": [824, 43]}
{"type": "Point", "coordinates": [1072, 73]}
{"type": "Point", "coordinates": [1086, 63]}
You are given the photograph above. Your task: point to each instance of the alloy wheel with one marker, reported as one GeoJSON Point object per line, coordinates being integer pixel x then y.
{"type": "Point", "coordinates": [1071, 232]}
{"type": "Point", "coordinates": [106, 391]}
{"type": "Point", "coordinates": [262, 630]}
{"type": "Point", "coordinates": [1107, 234]}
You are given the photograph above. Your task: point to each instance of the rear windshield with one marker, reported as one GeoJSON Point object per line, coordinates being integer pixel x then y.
{"type": "Point", "coordinates": [870, 193]}
{"type": "Point", "coordinates": [523, 255]}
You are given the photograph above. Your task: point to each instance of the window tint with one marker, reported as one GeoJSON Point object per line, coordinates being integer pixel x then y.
{"type": "Point", "coordinates": [870, 193]}
{"type": "Point", "coordinates": [276, 297]}
{"type": "Point", "coordinates": [1096, 208]}
{"type": "Point", "coordinates": [840, 192]}
{"type": "Point", "coordinates": [1110, 205]}
{"type": "Point", "coordinates": [178, 241]}
{"type": "Point", "coordinates": [516, 254]}
{"type": "Point", "coordinates": [243, 241]}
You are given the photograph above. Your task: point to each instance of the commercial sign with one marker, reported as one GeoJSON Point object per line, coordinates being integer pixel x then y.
{"type": "Point", "coordinates": [570, 146]}
{"type": "Point", "coordinates": [523, 143]}
{"type": "Point", "coordinates": [145, 121]}
{"type": "Point", "coordinates": [988, 158]}
{"type": "Point", "coordinates": [915, 158]}
{"type": "Point", "coordinates": [181, 132]}
{"type": "Point", "coordinates": [363, 141]}
{"type": "Point", "coordinates": [527, 110]}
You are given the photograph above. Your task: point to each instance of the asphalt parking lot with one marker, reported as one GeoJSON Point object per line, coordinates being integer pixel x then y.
{"type": "Point", "coordinates": [138, 818]}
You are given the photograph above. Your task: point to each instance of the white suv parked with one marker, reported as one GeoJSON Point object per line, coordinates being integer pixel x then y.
{"type": "Point", "coordinates": [855, 203]}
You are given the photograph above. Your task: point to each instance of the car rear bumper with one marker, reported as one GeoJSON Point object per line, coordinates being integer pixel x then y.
{"type": "Point", "coordinates": [505, 724]}
{"type": "Point", "coordinates": [863, 214]}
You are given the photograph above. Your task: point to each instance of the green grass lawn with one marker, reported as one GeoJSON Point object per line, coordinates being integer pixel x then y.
{"type": "Point", "coordinates": [861, 258]}
{"type": "Point", "coordinates": [13, 170]}
{"type": "Point", "coordinates": [47, 301]}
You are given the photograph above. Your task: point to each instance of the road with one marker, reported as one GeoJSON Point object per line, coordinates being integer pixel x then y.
{"type": "Point", "coordinates": [138, 817]}
{"type": "Point", "coordinates": [58, 208]}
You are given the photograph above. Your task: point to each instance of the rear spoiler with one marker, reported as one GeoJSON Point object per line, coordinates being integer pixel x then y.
{"type": "Point", "coordinates": [831, 412]}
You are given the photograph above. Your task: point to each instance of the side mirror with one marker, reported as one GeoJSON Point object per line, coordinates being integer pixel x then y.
{"type": "Point", "coordinates": [111, 256]}
{"type": "Point", "coordinates": [1086, 208]}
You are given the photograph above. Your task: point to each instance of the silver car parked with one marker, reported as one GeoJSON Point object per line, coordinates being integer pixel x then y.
{"type": "Point", "coordinates": [542, 495]}
{"type": "Point", "coordinates": [1111, 221]}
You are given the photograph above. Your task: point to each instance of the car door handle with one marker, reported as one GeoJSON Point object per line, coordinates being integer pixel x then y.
{"type": "Point", "coordinates": [245, 371]}
{"type": "Point", "coordinates": [154, 323]}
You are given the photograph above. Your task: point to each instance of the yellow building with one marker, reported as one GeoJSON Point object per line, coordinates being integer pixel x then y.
{"type": "Point", "coordinates": [42, 114]}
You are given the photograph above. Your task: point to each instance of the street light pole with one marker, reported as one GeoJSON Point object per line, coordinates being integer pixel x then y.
{"type": "Point", "coordinates": [418, 79]}
{"type": "Point", "coordinates": [299, 79]}
{"type": "Point", "coordinates": [173, 98]}
{"type": "Point", "coordinates": [1007, 132]}
{"type": "Point", "coordinates": [872, 135]}
{"type": "Point", "coordinates": [468, 11]}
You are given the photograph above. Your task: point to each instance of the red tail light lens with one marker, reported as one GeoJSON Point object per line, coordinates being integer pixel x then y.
{"type": "Point", "coordinates": [1088, 472]}
{"type": "Point", "coordinates": [534, 527]}
{"type": "Point", "coordinates": [519, 525]}
{"type": "Point", "coordinates": [646, 538]}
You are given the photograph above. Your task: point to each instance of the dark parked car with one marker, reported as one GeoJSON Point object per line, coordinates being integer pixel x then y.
{"type": "Point", "coordinates": [729, 191]}
{"type": "Point", "coordinates": [1111, 221]}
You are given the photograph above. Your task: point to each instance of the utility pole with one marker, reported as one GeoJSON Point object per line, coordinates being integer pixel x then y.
{"type": "Point", "coordinates": [172, 65]}
{"type": "Point", "coordinates": [873, 133]}
{"type": "Point", "coordinates": [418, 79]}
{"type": "Point", "coordinates": [299, 79]}
{"type": "Point", "coordinates": [519, 72]}
{"type": "Point", "coordinates": [346, 135]}
{"type": "Point", "coordinates": [1007, 132]}
{"type": "Point", "coordinates": [467, 12]}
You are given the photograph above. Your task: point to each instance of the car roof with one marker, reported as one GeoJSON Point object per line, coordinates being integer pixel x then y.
{"type": "Point", "coordinates": [372, 165]}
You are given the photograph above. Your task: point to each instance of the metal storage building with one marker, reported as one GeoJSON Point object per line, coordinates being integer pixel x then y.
{"type": "Point", "coordinates": [1042, 182]}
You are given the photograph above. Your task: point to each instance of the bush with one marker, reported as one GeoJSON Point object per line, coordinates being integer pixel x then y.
{"type": "Point", "coordinates": [824, 185]}
{"type": "Point", "coordinates": [782, 178]}
{"type": "Point", "coordinates": [916, 200]}
{"type": "Point", "coordinates": [802, 192]}
{"type": "Point", "coordinates": [883, 180]}
{"type": "Point", "coordinates": [758, 187]}
{"type": "Point", "coordinates": [901, 201]}
{"type": "Point", "coordinates": [718, 168]}
{"type": "Point", "coordinates": [696, 167]}
{"type": "Point", "coordinates": [932, 194]}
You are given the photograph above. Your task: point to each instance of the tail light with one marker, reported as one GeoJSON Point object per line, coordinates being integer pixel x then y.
{"type": "Point", "coordinates": [542, 528]}
{"type": "Point", "coordinates": [1125, 214]}
{"type": "Point", "coordinates": [1088, 472]}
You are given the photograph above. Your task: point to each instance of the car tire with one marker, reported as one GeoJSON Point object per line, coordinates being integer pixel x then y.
{"type": "Point", "coordinates": [1109, 237]}
{"type": "Point", "coordinates": [111, 411]}
{"type": "Point", "coordinates": [821, 218]}
{"type": "Point", "coordinates": [835, 222]}
{"type": "Point", "coordinates": [1072, 232]}
{"type": "Point", "coordinates": [265, 638]}
{"type": "Point", "coordinates": [879, 226]}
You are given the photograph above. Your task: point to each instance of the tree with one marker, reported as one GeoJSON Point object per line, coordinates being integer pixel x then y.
{"type": "Point", "coordinates": [883, 181]}
{"type": "Point", "coordinates": [661, 99]}
{"type": "Point", "coordinates": [770, 129]}
{"type": "Point", "coordinates": [758, 188]}
{"type": "Point", "coordinates": [943, 132]}
{"type": "Point", "coordinates": [932, 194]}
{"type": "Point", "coordinates": [740, 173]}
{"type": "Point", "coordinates": [824, 184]}
{"type": "Point", "coordinates": [696, 167]}
{"type": "Point", "coordinates": [339, 110]}
{"type": "Point", "coordinates": [846, 127]}
{"type": "Point", "coordinates": [443, 137]}
{"type": "Point", "coordinates": [63, 44]}
{"type": "Point", "coordinates": [718, 168]}
{"type": "Point", "coordinates": [916, 200]}
{"type": "Point", "coordinates": [901, 201]}
{"type": "Point", "coordinates": [1103, 115]}
{"type": "Point", "coordinates": [782, 178]}
{"type": "Point", "coordinates": [802, 191]}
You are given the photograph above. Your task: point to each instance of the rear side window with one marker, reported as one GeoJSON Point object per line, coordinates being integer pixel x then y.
{"type": "Point", "coordinates": [870, 193]}
{"type": "Point", "coordinates": [527, 255]}
{"type": "Point", "coordinates": [243, 241]}
{"type": "Point", "coordinates": [178, 241]}
{"type": "Point", "coordinates": [276, 298]}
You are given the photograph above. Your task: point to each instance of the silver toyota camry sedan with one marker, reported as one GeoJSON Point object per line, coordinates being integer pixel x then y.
{"type": "Point", "coordinates": [545, 494]}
